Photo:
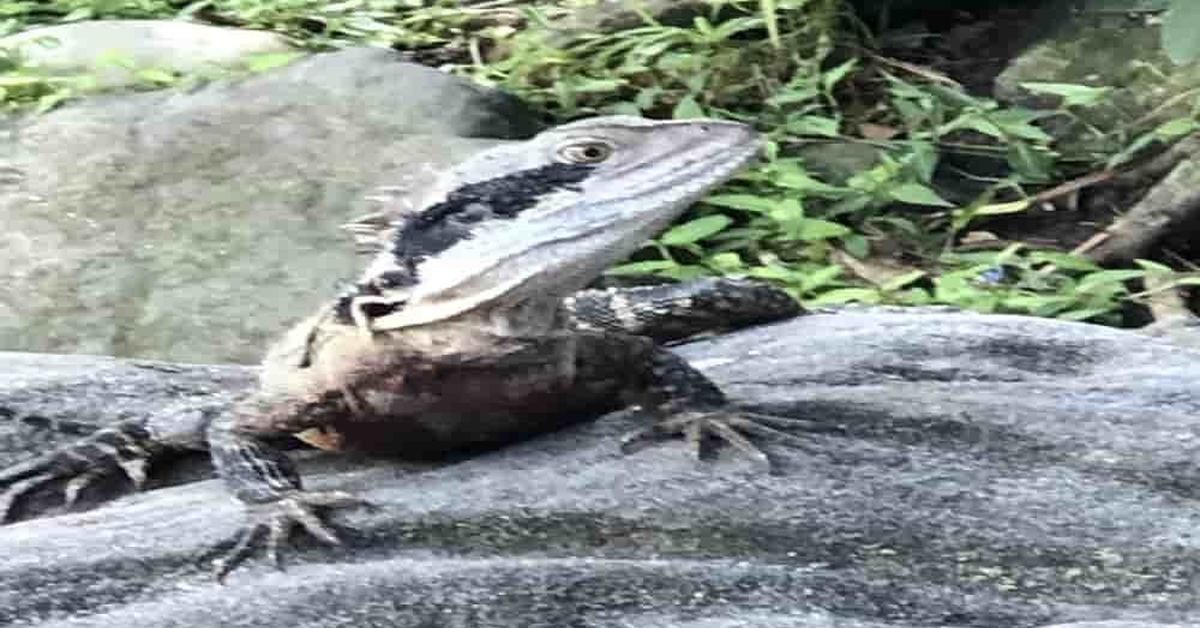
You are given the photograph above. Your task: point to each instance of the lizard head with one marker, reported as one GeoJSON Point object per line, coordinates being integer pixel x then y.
{"type": "Point", "coordinates": [544, 217]}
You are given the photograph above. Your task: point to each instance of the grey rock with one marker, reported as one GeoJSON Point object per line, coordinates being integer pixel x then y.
{"type": "Point", "coordinates": [1102, 47]}
{"type": "Point", "coordinates": [1183, 330]}
{"type": "Point", "coordinates": [1117, 624]}
{"type": "Point", "coordinates": [112, 51]}
{"type": "Point", "coordinates": [194, 226]}
{"type": "Point", "coordinates": [961, 470]}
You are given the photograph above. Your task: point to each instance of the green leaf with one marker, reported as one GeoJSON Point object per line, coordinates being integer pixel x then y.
{"type": "Point", "coordinates": [917, 194]}
{"type": "Point", "coordinates": [912, 296]}
{"type": "Point", "coordinates": [1097, 279]}
{"type": "Point", "coordinates": [811, 229]}
{"type": "Point", "coordinates": [1029, 162]}
{"type": "Point", "coordinates": [1133, 149]}
{"type": "Point", "coordinates": [1038, 304]}
{"type": "Point", "coordinates": [23, 80]}
{"type": "Point", "coordinates": [695, 230]}
{"type": "Point", "coordinates": [1026, 132]}
{"type": "Point", "coordinates": [1175, 128]}
{"type": "Point", "coordinates": [774, 272]}
{"type": "Point", "coordinates": [726, 262]}
{"type": "Point", "coordinates": [793, 94]}
{"type": "Point", "coordinates": [820, 277]}
{"type": "Point", "coordinates": [687, 108]}
{"type": "Point", "coordinates": [924, 157]}
{"type": "Point", "coordinates": [624, 108]}
{"type": "Point", "coordinates": [1180, 25]}
{"type": "Point", "coordinates": [787, 210]}
{"type": "Point", "coordinates": [648, 97]}
{"type": "Point", "coordinates": [771, 16]}
{"type": "Point", "coordinates": [729, 28]}
{"type": "Point", "coordinates": [1084, 314]}
{"type": "Point", "coordinates": [271, 60]}
{"type": "Point", "coordinates": [155, 75]}
{"type": "Point", "coordinates": [685, 273]}
{"type": "Point", "coordinates": [1065, 261]}
{"type": "Point", "coordinates": [846, 295]}
{"type": "Point", "coordinates": [596, 86]}
{"type": "Point", "coordinates": [914, 116]}
{"type": "Point", "coordinates": [791, 176]}
{"type": "Point", "coordinates": [642, 268]}
{"type": "Point", "coordinates": [1005, 256]}
{"type": "Point", "coordinates": [833, 76]}
{"type": "Point", "coordinates": [51, 100]}
{"type": "Point", "coordinates": [1072, 95]}
{"type": "Point", "coordinates": [1154, 267]}
{"type": "Point", "coordinates": [813, 125]}
{"type": "Point", "coordinates": [856, 245]}
{"type": "Point", "coordinates": [974, 122]}
{"type": "Point", "coordinates": [895, 283]}
{"type": "Point", "coordinates": [747, 202]}
{"type": "Point", "coordinates": [995, 209]}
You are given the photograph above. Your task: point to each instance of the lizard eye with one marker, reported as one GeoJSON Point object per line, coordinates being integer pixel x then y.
{"type": "Point", "coordinates": [584, 152]}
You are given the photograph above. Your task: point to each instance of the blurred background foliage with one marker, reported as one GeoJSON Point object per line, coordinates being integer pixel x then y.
{"type": "Point", "coordinates": [891, 174]}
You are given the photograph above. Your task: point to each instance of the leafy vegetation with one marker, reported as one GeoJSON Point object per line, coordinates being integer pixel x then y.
{"type": "Point", "coordinates": [934, 161]}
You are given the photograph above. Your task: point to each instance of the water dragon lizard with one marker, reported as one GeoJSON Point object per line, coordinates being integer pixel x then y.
{"type": "Point", "coordinates": [470, 327]}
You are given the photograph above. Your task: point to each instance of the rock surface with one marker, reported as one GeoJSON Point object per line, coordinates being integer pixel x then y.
{"type": "Point", "coordinates": [195, 226]}
{"type": "Point", "coordinates": [1103, 48]}
{"type": "Point", "coordinates": [112, 51]}
{"type": "Point", "coordinates": [962, 470]}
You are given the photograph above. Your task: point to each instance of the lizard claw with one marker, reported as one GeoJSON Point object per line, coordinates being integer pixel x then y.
{"type": "Point", "coordinates": [122, 447]}
{"type": "Point", "coordinates": [276, 518]}
{"type": "Point", "coordinates": [728, 425]}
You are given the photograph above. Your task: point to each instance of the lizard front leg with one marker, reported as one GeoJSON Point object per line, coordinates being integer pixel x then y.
{"type": "Point", "coordinates": [674, 311]}
{"type": "Point", "coordinates": [265, 480]}
{"type": "Point", "coordinates": [682, 398]}
{"type": "Point", "coordinates": [687, 403]}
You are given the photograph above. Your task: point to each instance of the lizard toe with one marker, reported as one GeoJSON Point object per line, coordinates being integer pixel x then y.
{"type": "Point", "coordinates": [730, 426]}
{"type": "Point", "coordinates": [277, 518]}
{"type": "Point", "coordinates": [124, 447]}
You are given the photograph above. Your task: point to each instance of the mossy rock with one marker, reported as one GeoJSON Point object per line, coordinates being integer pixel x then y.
{"type": "Point", "coordinates": [1122, 54]}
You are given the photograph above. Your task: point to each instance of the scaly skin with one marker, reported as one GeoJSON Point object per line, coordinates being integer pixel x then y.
{"type": "Point", "coordinates": [467, 329]}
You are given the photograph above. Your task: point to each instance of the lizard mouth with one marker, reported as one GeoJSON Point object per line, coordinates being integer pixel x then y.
{"type": "Point", "coordinates": [737, 159]}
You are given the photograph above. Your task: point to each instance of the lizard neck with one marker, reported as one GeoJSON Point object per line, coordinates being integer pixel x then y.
{"type": "Point", "coordinates": [535, 317]}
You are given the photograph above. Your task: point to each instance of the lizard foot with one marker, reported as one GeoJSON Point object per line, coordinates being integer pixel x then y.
{"type": "Point", "coordinates": [125, 447]}
{"type": "Point", "coordinates": [276, 518]}
{"type": "Point", "coordinates": [728, 425]}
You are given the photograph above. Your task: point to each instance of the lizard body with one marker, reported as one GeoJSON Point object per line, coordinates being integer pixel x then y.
{"type": "Point", "coordinates": [468, 328]}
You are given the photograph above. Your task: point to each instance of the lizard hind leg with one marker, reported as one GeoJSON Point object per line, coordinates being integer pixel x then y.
{"type": "Point", "coordinates": [127, 447]}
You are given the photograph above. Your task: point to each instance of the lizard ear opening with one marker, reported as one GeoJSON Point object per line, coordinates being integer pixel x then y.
{"type": "Point", "coordinates": [589, 151]}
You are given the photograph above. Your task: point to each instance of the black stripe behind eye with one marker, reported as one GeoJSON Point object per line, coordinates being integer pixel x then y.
{"type": "Point", "coordinates": [444, 224]}
{"type": "Point", "coordinates": [453, 220]}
